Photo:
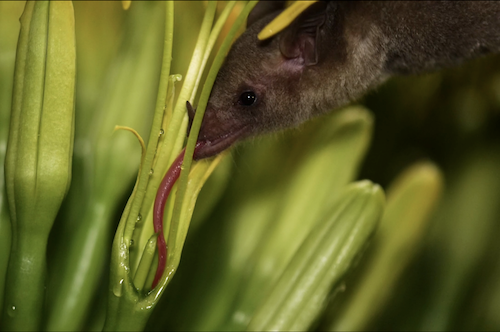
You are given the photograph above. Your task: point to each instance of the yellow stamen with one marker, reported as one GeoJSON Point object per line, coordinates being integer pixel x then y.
{"type": "Point", "coordinates": [284, 19]}
{"type": "Point", "coordinates": [133, 131]}
{"type": "Point", "coordinates": [126, 4]}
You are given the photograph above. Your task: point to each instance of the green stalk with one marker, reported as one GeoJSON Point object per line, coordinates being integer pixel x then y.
{"type": "Point", "coordinates": [211, 42]}
{"type": "Point", "coordinates": [144, 228]}
{"type": "Point", "coordinates": [9, 30]}
{"type": "Point", "coordinates": [174, 252]}
{"type": "Point", "coordinates": [158, 113]}
{"type": "Point", "coordinates": [129, 308]}
{"type": "Point", "coordinates": [122, 312]}
{"type": "Point", "coordinates": [172, 127]}
{"type": "Point", "coordinates": [113, 160]}
{"type": "Point", "coordinates": [179, 113]}
{"type": "Point", "coordinates": [205, 43]}
{"type": "Point", "coordinates": [38, 162]}
{"type": "Point", "coordinates": [169, 150]}
{"type": "Point", "coordinates": [145, 263]}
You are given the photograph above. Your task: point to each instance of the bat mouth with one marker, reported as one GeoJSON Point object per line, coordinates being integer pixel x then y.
{"type": "Point", "coordinates": [210, 147]}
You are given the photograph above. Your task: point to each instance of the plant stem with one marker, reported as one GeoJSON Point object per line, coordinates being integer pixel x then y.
{"type": "Point", "coordinates": [195, 129]}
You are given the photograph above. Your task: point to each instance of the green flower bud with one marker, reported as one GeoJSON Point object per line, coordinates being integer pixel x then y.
{"type": "Point", "coordinates": [9, 31]}
{"type": "Point", "coordinates": [410, 200]}
{"type": "Point", "coordinates": [39, 151]}
{"type": "Point", "coordinates": [325, 255]}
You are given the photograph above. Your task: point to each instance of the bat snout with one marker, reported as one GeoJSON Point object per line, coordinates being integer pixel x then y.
{"type": "Point", "coordinates": [216, 135]}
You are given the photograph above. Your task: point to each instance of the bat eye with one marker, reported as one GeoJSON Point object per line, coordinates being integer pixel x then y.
{"type": "Point", "coordinates": [247, 98]}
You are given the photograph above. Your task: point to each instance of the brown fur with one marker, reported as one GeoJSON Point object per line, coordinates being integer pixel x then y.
{"type": "Point", "coordinates": [359, 45]}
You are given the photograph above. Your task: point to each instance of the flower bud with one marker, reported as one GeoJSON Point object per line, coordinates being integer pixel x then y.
{"type": "Point", "coordinates": [39, 150]}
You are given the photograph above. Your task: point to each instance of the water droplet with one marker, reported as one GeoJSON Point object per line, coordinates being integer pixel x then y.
{"type": "Point", "coordinates": [12, 311]}
{"type": "Point", "coordinates": [151, 171]}
{"type": "Point", "coordinates": [131, 242]}
{"type": "Point", "coordinates": [162, 132]}
{"type": "Point", "coordinates": [240, 317]}
{"type": "Point", "coordinates": [139, 217]}
{"type": "Point", "coordinates": [117, 289]}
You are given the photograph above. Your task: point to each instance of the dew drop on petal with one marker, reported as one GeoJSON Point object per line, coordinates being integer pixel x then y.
{"type": "Point", "coordinates": [240, 317]}
{"type": "Point", "coordinates": [117, 289]}
{"type": "Point", "coordinates": [12, 311]}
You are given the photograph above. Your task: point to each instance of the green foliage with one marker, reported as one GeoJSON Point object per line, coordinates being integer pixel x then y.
{"type": "Point", "coordinates": [284, 235]}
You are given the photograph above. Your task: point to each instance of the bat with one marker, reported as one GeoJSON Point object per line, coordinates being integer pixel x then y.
{"type": "Point", "coordinates": [331, 55]}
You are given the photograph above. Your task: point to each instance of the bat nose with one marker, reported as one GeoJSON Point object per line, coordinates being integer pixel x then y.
{"type": "Point", "coordinates": [212, 127]}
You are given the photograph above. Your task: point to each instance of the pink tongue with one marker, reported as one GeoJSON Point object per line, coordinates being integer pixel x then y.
{"type": "Point", "coordinates": [159, 207]}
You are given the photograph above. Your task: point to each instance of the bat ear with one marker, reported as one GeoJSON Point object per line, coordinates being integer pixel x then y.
{"type": "Point", "coordinates": [262, 8]}
{"type": "Point", "coordinates": [299, 40]}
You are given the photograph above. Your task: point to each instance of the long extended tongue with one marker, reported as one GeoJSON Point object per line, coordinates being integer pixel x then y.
{"type": "Point", "coordinates": [159, 208]}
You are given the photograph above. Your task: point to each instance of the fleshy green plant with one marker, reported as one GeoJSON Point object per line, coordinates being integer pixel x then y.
{"type": "Point", "coordinates": [278, 235]}
{"type": "Point", "coordinates": [39, 150]}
